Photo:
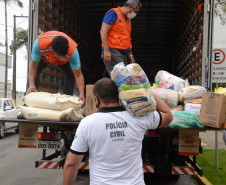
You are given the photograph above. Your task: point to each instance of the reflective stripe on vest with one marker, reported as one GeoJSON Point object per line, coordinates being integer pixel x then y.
{"type": "Point", "coordinates": [119, 36]}
{"type": "Point", "coordinates": [47, 55]}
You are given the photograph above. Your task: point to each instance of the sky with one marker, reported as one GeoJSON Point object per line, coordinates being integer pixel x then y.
{"type": "Point", "coordinates": [219, 36]}
{"type": "Point", "coordinates": [13, 9]}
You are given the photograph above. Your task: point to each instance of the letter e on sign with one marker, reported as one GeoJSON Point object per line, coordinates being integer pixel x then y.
{"type": "Point", "coordinates": [218, 56]}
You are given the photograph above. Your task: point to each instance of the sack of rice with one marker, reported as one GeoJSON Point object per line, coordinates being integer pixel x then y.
{"type": "Point", "coordinates": [32, 113]}
{"type": "Point", "coordinates": [58, 101]}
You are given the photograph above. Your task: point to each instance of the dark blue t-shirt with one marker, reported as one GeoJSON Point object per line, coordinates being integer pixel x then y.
{"type": "Point", "coordinates": [110, 18]}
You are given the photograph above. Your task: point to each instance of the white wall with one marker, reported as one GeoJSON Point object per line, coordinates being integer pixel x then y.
{"type": "Point", "coordinates": [2, 71]}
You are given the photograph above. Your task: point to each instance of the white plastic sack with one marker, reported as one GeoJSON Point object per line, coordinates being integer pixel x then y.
{"type": "Point", "coordinates": [192, 107]}
{"type": "Point", "coordinates": [32, 113]}
{"type": "Point", "coordinates": [46, 100]}
{"type": "Point", "coordinates": [170, 97]}
{"type": "Point", "coordinates": [168, 81]}
{"type": "Point", "coordinates": [134, 88]}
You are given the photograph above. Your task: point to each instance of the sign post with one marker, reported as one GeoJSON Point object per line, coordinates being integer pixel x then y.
{"type": "Point", "coordinates": [218, 75]}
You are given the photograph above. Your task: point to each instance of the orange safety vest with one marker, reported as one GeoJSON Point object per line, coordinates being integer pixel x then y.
{"type": "Point", "coordinates": [45, 40]}
{"type": "Point", "coordinates": [119, 36]}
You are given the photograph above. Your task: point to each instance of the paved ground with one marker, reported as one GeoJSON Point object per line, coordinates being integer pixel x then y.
{"type": "Point", "coordinates": [208, 139]}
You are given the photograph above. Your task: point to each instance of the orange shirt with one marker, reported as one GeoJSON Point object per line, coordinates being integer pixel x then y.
{"type": "Point", "coordinates": [119, 36]}
{"type": "Point", "coordinates": [47, 55]}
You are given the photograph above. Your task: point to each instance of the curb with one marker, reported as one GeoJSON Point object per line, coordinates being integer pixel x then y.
{"type": "Point", "coordinates": [201, 179]}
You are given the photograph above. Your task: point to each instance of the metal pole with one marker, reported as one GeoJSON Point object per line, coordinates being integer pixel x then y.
{"type": "Point", "coordinates": [216, 148]}
{"type": "Point", "coordinates": [29, 40]}
{"type": "Point", "coordinates": [211, 45]}
{"type": "Point", "coordinates": [216, 142]}
{"type": "Point", "coordinates": [14, 57]}
{"type": "Point", "coordinates": [6, 51]}
{"type": "Point", "coordinates": [14, 61]}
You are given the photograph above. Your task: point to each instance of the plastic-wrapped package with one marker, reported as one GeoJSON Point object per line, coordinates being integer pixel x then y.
{"type": "Point", "coordinates": [220, 90]}
{"type": "Point", "coordinates": [170, 97]}
{"type": "Point", "coordinates": [191, 92]}
{"type": "Point", "coordinates": [192, 107]}
{"type": "Point", "coordinates": [197, 101]}
{"type": "Point", "coordinates": [185, 119]}
{"type": "Point", "coordinates": [119, 70]}
{"type": "Point", "coordinates": [124, 87]}
{"type": "Point", "coordinates": [134, 88]}
{"type": "Point", "coordinates": [169, 81]}
{"type": "Point", "coordinates": [176, 109]}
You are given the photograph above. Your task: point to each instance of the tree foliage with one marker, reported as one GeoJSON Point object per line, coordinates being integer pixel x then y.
{"type": "Point", "coordinates": [18, 2]}
{"type": "Point", "coordinates": [21, 39]}
{"type": "Point", "coordinates": [220, 10]}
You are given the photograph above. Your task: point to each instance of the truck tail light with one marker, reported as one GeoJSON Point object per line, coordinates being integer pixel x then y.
{"type": "Point", "coordinates": [74, 130]}
{"type": "Point", "coordinates": [48, 136]}
{"type": "Point", "coordinates": [152, 133]}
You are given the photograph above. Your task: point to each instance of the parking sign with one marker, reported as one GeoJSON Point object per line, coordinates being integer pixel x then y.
{"type": "Point", "coordinates": [218, 72]}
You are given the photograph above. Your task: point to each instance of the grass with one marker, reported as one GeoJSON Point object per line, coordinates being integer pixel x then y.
{"type": "Point", "coordinates": [207, 162]}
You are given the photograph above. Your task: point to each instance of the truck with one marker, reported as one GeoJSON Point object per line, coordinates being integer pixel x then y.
{"type": "Point", "coordinates": [8, 110]}
{"type": "Point", "coordinates": [175, 36]}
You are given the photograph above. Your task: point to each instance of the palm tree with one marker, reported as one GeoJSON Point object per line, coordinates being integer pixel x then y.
{"type": "Point", "coordinates": [21, 39]}
{"type": "Point", "coordinates": [20, 4]}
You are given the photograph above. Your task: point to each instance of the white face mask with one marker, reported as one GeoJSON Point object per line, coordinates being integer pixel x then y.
{"type": "Point", "coordinates": [131, 15]}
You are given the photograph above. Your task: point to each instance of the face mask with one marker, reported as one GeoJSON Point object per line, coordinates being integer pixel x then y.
{"type": "Point", "coordinates": [131, 15]}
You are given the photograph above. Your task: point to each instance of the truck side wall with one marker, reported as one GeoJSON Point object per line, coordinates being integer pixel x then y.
{"type": "Point", "coordinates": [166, 36]}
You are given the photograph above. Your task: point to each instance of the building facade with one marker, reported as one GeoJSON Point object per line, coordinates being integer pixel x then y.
{"type": "Point", "coordinates": [2, 73]}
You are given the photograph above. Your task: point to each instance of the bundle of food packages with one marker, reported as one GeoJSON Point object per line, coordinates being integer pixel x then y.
{"type": "Point", "coordinates": [170, 97]}
{"type": "Point", "coordinates": [46, 106]}
{"type": "Point", "coordinates": [168, 81]}
{"type": "Point", "coordinates": [134, 89]}
{"type": "Point", "coordinates": [191, 97]}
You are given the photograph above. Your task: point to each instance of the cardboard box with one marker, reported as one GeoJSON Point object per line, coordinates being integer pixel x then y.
{"type": "Point", "coordinates": [213, 110]}
{"type": "Point", "coordinates": [90, 100]}
{"type": "Point", "coordinates": [27, 135]}
{"type": "Point", "coordinates": [188, 141]}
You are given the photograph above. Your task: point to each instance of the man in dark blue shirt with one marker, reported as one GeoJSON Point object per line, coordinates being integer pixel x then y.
{"type": "Point", "coordinates": [116, 34]}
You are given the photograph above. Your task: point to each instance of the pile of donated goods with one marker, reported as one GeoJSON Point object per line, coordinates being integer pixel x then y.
{"type": "Point", "coordinates": [137, 95]}
{"type": "Point", "coordinates": [46, 106]}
